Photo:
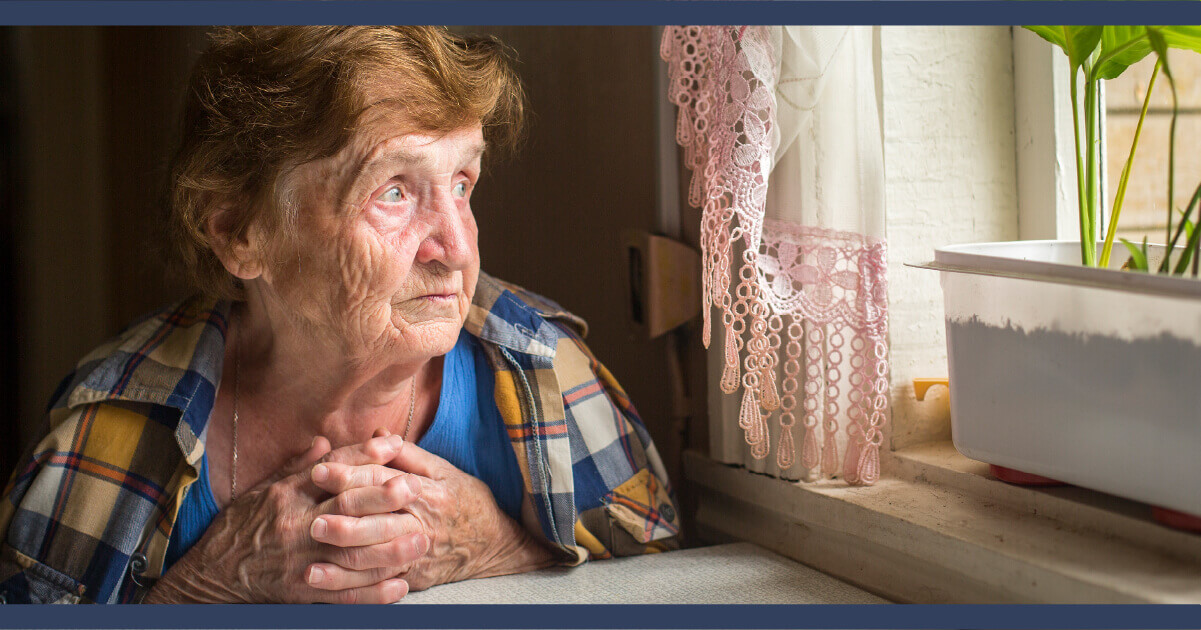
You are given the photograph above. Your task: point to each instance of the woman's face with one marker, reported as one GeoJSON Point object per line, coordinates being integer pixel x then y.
{"type": "Point", "coordinates": [386, 261]}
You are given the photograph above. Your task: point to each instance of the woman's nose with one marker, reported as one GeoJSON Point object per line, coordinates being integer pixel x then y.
{"type": "Point", "coordinates": [450, 241]}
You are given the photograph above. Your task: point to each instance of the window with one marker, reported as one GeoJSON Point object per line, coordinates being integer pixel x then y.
{"type": "Point", "coordinates": [1143, 212]}
{"type": "Point", "coordinates": [975, 121]}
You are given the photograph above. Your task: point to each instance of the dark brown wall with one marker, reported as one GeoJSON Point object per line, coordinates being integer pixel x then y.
{"type": "Point", "coordinates": [146, 70]}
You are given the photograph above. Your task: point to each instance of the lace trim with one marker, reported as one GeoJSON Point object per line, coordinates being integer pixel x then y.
{"type": "Point", "coordinates": [820, 293]}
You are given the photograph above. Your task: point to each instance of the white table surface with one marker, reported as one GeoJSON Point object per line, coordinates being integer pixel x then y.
{"type": "Point", "coordinates": [739, 573]}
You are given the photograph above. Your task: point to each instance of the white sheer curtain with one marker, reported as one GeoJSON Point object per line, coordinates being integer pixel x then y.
{"type": "Point", "coordinates": [781, 130]}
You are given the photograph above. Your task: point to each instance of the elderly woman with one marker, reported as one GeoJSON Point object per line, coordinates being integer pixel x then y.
{"type": "Point", "coordinates": [348, 409]}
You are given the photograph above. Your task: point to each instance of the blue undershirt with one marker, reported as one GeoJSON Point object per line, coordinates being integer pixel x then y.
{"type": "Point", "coordinates": [467, 431]}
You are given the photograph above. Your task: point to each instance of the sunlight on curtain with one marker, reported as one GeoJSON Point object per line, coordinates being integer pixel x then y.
{"type": "Point", "coordinates": [780, 127]}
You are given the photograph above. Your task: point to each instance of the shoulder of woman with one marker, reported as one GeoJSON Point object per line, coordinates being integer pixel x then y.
{"type": "Point", "coordinates": [148, 361]}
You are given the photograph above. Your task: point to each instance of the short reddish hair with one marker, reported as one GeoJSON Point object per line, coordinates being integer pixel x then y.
{"type": "Point", "coordinates": [264, 100]}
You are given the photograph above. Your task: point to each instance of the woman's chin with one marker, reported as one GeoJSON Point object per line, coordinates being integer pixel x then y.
{"type": "Point", "coordinates": [432, 334]}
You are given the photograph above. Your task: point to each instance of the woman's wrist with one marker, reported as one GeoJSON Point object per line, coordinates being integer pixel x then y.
{"type": "Point", "coordinates": [518, 552]}
{"type": "Point", "coordinates": [185, 583]}
{"type": "Point", "coordinates": [172, 589]}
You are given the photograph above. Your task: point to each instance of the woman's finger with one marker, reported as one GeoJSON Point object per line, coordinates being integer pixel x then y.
{"type": "Point", "coordinates": [397, 553]}
{"type": "Point", "coordinates": [414, 459]}
{"type": "Point", "coordinates": [350, 531]}
{"type": "Point", "coordinates": [331, 577]}
{"type": "Point", "coordinates": [377, 450]}
{"type": "Point", "coordinates": [395, 494]}
{"type": "Point", "coordinates": [299, 464]}
{"type": "Point", "coordinates": [336, 478]}
{"type": "Point", "coordinates": [386, 592]}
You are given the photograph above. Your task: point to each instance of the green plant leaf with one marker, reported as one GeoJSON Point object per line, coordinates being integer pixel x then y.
{"type": "Point", "coordinates": [1159, 44]}
{"type": "Point", "coordinates": [1077, 42]}
{"type": "Point", "coordinates": [1138, 257]}
{"type": "Point", "coordinates": [1191, 246]}
{"type": "Point", "coordinates": [1121, 47]}
{"type": "Point", "coordinates": [1181, 37]}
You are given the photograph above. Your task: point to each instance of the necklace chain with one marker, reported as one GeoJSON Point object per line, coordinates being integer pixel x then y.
{"type": "Point", "coordinates": [233, 464]}
{"type": "Point", "coordinates": [412, 405]}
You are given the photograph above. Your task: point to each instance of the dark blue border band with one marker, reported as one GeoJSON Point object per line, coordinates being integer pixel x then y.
{"type": "Point", "coordinates": [604, 616]}
{"type": "Point", "coordinates": [608, 12]}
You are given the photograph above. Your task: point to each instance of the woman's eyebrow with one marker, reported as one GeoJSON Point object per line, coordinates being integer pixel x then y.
{"type": "Point", "coordinates": [405, 158]}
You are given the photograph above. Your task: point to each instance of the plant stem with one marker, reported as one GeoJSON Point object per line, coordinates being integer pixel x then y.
{"type": "Point", "coordinates": [1085, 252]}
{"type": "Point", "coordinates": [1090, 132]}
{"type": "Point", "coordinates": [1112, 229]}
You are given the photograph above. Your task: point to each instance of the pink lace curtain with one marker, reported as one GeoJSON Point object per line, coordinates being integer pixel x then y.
{"type": "Point", "coordinates": [792, 218]}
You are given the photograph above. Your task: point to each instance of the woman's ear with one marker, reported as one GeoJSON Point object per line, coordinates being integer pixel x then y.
{"type": "Point", "coordinates": [241, 255]}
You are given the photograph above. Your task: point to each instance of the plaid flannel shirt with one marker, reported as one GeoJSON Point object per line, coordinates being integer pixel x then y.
{"type": "Point", "coordinates": [88, 513]}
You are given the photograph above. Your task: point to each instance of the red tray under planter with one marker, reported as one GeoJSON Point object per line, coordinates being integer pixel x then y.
{"type": "Point", "coordinates": [1164, 516]}
{"type": "Point", "coordinates": [1009, 475]}
{"type": "Point", "coordinates": [1176, 520]}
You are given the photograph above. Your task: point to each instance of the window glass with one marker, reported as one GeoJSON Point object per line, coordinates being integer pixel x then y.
{"type": "Point", "coordinates": [1144, 212]}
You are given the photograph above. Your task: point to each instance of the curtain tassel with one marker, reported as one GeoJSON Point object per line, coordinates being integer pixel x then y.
{"type": "Point", "coordinates": [809, 452]}
{"type": "Point", "coordinates": [767, 388]}
{"type": "Point", "coordinates": [829, 454]}
{"type": "Point", "coordinates": [729, 374]}
{"type": "Point", "coordinates": [869, 465]}
{"type": "Point", "coordinates": [851, 465]}
{"type": "Point", "coordinates": [786, 455]}
{"type": "Point", "coordinates": [760, 448]}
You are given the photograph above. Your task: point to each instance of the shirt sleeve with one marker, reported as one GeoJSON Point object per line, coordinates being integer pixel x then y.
{"type": "Point", "coordinates": [80, 512]}
{"type": "Point", "coordinates": [625, 505]}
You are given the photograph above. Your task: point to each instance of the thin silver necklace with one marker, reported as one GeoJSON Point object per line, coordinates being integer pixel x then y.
{"type": "Point", "coordinates": [233, 464]}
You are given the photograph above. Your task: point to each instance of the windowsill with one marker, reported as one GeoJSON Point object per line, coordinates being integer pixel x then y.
{"type": "Point", "coordinates": [937, 529]}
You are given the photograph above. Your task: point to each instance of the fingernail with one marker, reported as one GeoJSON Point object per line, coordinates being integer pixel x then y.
{"type": "Point", "coordinates": [421, 544]}
{"type": "Point", "coordinates": [316, 575]}
{"type": "Point", "coordinates": [320, 473]}
{"type": "Point", "coordinates": [314, 442]}
{"type": "Point", "coordinates": [414, 485]}
{"type": "Point", "coordinates": [320, 527]}
{"type": "Point", "coordinates": [396, 441]}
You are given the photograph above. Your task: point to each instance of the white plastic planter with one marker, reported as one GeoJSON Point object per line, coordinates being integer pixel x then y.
{"type": "Point", "coordinates": [1089, 376]}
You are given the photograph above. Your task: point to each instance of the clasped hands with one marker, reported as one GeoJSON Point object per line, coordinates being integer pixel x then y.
{"type": "Point", "coordinates": [361, 524]}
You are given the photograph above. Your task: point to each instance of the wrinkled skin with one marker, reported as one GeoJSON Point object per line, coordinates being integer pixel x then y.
{"type": "Point", "coordinates": [341, 323]}
{"type": "Point", "coordinates": [469, 536]}
{"type": "Point", "coordinates": [258, 548]}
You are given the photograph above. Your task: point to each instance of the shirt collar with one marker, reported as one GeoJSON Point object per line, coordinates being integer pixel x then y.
{"type": "Point", "coordinates": [509, 316]}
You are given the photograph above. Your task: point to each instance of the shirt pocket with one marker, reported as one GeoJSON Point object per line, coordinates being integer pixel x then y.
{"type": "Point", "coordinates": [642, 507]}
{"type": "Point", "coordinates": [24, 580]}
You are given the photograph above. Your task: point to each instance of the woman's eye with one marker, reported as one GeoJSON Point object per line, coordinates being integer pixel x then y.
{"type": "Point", "coordinates": [392, 195]}
{"type": "Point", "coordinates": [460, 189]}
